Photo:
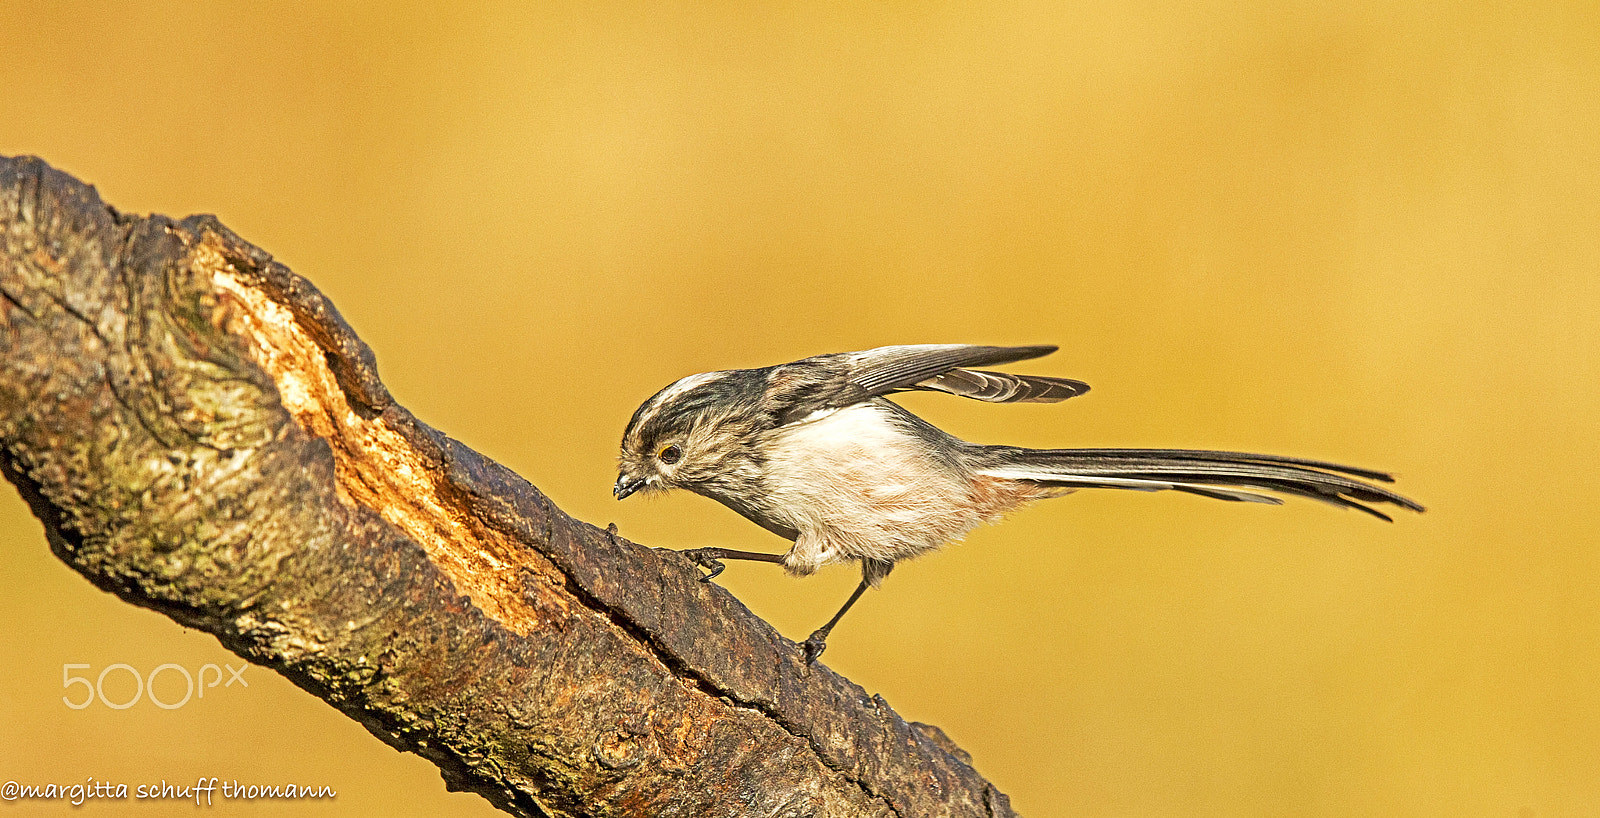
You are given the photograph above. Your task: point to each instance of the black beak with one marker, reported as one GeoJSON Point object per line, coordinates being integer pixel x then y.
{"type": "Point", "coordinates": [627, 485]}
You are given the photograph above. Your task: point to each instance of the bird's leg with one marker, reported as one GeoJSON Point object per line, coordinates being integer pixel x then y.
{"type": "Point", "coordinates": [817, 642]}
{"type": "Point", "coordinates": [711, 558]}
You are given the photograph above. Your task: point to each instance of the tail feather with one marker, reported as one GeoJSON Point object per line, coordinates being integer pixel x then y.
{"type": "Point", "coordinates": [1222, 475]}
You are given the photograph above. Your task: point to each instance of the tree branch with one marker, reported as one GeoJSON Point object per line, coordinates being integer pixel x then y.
{"type": "Point", "coordinates": [201, 433]}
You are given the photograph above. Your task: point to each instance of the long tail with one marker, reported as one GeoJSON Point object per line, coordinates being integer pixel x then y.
{"type": "Point", "coordinates": [1222, 475]}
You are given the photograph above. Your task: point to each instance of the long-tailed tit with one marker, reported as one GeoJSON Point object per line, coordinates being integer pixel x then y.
{"type": "Point", "coordinates": [813, 452]}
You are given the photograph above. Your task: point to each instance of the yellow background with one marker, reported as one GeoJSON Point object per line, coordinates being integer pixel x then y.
{"type": "Point", "coordinates": [1361, 232]}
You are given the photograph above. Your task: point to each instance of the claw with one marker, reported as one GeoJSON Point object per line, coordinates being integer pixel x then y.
{"type": "Point", "coordinates": [712, 565]}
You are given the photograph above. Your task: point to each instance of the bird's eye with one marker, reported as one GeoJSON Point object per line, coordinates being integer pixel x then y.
{"type": "Point", "coordinates": [670, 454]}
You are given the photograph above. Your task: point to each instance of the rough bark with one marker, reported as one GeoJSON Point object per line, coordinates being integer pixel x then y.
{"type": "Point", "coordinates": [201, 433]}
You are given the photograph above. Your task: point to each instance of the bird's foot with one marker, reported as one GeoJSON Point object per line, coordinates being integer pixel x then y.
{"type": "Point", "coordinates": [711, 558]}
{"type": "Point", "coordinates": [814, 645]}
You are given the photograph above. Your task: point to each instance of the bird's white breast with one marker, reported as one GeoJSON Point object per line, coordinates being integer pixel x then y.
{"type": "Point", "coordinates": [855, 484]}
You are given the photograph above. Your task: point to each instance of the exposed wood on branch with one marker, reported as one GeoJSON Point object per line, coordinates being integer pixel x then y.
{"type": "Point", "coordinates": [202, 434]}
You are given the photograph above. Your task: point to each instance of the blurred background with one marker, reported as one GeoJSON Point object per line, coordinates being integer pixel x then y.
{"type": "Point", "coordinates": [1363, 232]}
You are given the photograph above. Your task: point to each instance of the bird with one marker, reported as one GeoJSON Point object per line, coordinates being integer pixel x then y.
{"type": "Point", "coordinates": [815, 452]}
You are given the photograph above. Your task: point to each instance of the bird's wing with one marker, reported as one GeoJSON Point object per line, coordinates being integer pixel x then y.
{"type": "Point", "coordinates": [801, 390]}
{"type": "Point", "coordinates": [941, 368]}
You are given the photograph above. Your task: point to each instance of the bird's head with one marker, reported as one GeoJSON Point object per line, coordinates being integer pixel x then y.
{"type": "Point", "coordinates": [692, 435]}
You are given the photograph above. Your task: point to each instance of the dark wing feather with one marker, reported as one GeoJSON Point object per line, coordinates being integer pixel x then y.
{"type": "Point", "coordinates": [796, 391]}
{"type": "Point", "coordinates": [941, 368]}
{"type": "Point", "coordinates": [887, 369]}
{"type": "Point", "coordinates": [1003, 387]}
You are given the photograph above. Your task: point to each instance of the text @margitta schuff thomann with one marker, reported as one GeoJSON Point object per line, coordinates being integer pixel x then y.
{"type": "Point", "coordinates": [204, 791]}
